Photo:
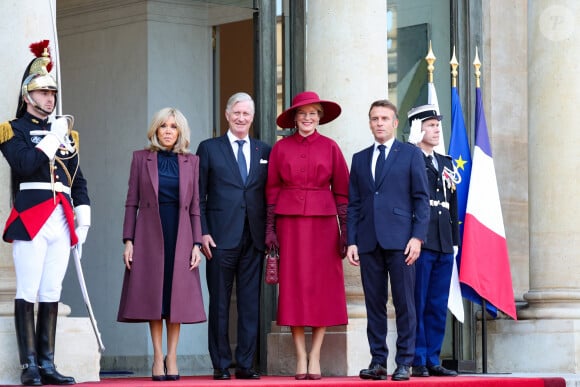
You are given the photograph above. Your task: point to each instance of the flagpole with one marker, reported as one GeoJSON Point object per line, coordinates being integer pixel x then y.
{"type": "Point", "coordinates": [477, 65]}
{"type": "Point", "coordinates": [457, 353]}
{"type": "Point", "coordinates": [483, 336]}
{"type": "Point", "coordinates": [460, 152]}
{"type": "Point", "coordinates": [432, 96]}
{"type": "Point", "coordinates": [57, 58]}
{"type": "Point", "coordinates": [456, 336]}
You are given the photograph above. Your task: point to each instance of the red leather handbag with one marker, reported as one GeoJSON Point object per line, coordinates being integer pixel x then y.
{"type": "Point", "coordinates": [272, 264]}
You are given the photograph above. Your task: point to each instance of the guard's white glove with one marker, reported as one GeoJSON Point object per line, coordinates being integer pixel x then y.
{"type": "Point", "coordinates": [53, 139]}
{"type": "Point", "coordinates": [83, 220]}
{"type": "Point", "coordinates": [415, 134]}
{"type": "Point", "coordinates": [455, 251]}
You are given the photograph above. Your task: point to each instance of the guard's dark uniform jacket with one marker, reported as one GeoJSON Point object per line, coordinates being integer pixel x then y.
{"type": "Point", "coordinates": [32, 207]}
{"type": "Point", "coordinates": [443, 231]}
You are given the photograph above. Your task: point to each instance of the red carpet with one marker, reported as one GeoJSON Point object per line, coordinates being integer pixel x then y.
{"type": "Point", "coordinates": [351, 381]}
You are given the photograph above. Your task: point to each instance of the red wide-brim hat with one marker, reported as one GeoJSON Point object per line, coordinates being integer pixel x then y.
{"type": "Point", "coordinates": [331, 109]}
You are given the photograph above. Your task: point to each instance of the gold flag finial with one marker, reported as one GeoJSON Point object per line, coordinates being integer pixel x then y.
{"type": "Point", "coordinates": [477, 65]}
{"type": "Point", "coordinates": [454, 65]}
{"type": "Point", "coordinates": [430, 59]}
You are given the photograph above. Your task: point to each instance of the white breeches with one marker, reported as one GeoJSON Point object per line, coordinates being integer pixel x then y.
{"type": "Point", "coordinates": [41, 263]}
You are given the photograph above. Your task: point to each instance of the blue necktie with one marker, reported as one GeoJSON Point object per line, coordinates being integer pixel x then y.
{"type": "Point", "coordinates": [380, 165]}
{"type": "Point", "coordinates": [242, 160]}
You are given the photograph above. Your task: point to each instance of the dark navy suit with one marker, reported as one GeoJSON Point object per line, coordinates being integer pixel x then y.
{"type": "Point", "coordinates": [382, 218]}
{"type": "Point", "coordinates": [234, 214]}
{"type": "Point", "coordinates": [435, 264]}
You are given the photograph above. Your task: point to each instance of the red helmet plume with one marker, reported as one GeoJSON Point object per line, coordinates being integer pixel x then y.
{"type": "Point", "coordinates": [38, 49]}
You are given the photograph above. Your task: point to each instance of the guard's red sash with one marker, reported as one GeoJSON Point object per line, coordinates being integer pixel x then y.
{"type": "Point", "coordinates": [35, 217]}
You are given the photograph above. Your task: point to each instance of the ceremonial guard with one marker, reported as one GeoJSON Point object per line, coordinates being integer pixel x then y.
{"type": "Point", "coordinates": [42, 152]}
{"type": "Point", "coordinates": [435, 264]}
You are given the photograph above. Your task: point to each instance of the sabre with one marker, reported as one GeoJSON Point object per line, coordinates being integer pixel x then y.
{"type": "Point", "coordinates": [70, 121]}
{"type": "Point", "coordinates": [77, 259]}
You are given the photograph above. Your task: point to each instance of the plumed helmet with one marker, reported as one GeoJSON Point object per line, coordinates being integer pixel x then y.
{"type": "Point", "coordinates": [37, 75]}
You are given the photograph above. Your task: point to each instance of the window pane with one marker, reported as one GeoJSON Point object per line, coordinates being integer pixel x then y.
{"type": "Point", "coordinates": [412, 24]}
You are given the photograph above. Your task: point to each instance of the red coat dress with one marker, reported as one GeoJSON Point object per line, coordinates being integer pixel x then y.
{"type": "Point", "coordinates": [307, 178]}
{"type": "Point", "coordinates": [142, 294]}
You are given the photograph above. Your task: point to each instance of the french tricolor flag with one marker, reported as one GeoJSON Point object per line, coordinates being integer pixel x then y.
{"type": "Point", "coordinates": [485, 265]}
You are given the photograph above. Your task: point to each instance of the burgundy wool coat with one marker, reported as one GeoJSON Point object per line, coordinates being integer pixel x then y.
{"type": "Point", "coordinates": [142, 293]}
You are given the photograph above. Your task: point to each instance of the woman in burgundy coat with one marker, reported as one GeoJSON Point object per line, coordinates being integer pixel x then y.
{"type": "Point", "coordinates": [307, 188]}
{"type": "Point", "coordinates": [162, 236]}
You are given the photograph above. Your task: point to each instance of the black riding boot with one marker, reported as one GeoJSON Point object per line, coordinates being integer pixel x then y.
{"type": "Point", "coordinates": [24, 322]}
{"type": "Point", "coordinates": [45, 340]}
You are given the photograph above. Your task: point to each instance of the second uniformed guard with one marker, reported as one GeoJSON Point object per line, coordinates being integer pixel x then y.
{"type": "Point", "coordinates": [435, 264]}
{"type": "Point", "coordinates": [43, 224]}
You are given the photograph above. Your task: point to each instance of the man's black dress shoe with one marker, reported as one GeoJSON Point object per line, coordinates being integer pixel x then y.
{"type": "Point", "coordinates": [221, 374]}
{"type": "Point", "coordinates": [247, 373]}
{"type": "Point", "coordinates": [438, 370]}
{"type": "Point", "coordinates": [374, 372]}
{"type": "Point", "coordinates": [402, 372]}
{"type": "Point", "coordinates": [420, 371]}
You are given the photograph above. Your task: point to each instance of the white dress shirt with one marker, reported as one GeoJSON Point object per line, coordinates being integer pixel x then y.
{"type": "Point", "coordinates": [245, 148]}
{"type": "Point", "coordinates": [388, 145]}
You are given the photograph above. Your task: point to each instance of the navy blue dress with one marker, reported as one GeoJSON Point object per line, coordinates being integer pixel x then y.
{"type": "Point", "coordinates": [169, 214]}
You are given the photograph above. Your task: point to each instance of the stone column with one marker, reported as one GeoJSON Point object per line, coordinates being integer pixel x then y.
{"type": "Point", "coordinates": [346, 62]}
{"type": "Point", "coordinates": [554, 139]}
{"type": "Point", "coordinates": [550, 323]}
{"type": "Point", "coordinates": [28, 22]}
{"type": "Point", "coordinates": [349, 66]}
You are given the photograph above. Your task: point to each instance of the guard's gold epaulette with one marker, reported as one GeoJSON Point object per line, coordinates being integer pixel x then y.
{"type": "Point", "coordinates": [6, 132]}
{"type": "Point", "coordinates": [75, 136]}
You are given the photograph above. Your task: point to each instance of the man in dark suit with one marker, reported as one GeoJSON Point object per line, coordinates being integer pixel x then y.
{"type": "Point", "coordinates": [232, 176]}
{"type": "Point", "coordinates": [435, 264]}
{"type": "Point", "coordinates": [387, 219]}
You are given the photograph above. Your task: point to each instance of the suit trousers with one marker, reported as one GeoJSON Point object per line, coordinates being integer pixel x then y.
{"type": "Point", "coordinates": [244, 266]}
{"type": "Point", "coordinates": [377, 267]}
{"type": "Point", "coordinates": [431, 295]}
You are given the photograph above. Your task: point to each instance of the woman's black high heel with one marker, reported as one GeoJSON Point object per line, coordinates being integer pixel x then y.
{"type": "Point", "coordinates": [157, 378]}
{"type": "Point", "coordinates": [169, 377]}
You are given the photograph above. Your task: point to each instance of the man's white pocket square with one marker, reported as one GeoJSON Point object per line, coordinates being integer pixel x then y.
{"type": "Point", "coordinates": [262, 161]}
